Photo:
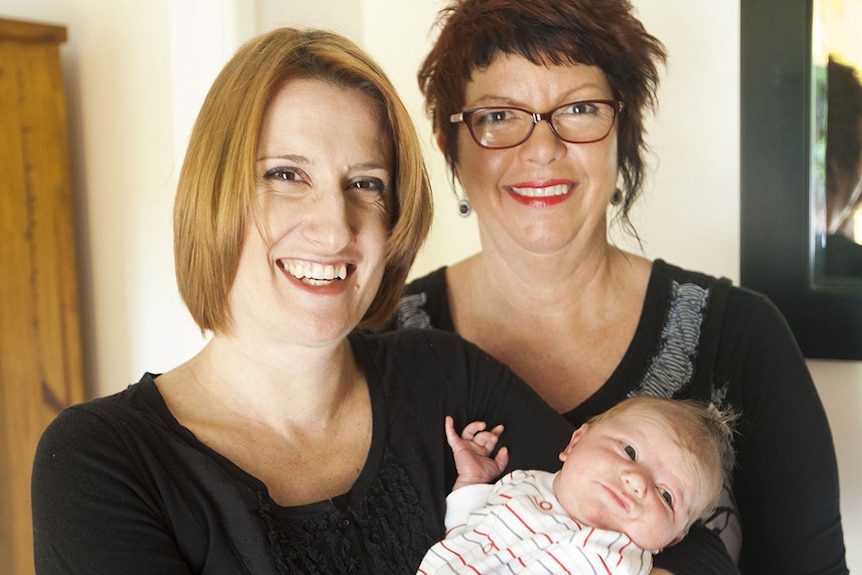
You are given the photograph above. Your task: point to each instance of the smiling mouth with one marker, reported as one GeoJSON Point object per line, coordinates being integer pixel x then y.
{"type": "Point", "coordinates": [315, 274]}
{"type": "Point", "coordinates": [543, 192]}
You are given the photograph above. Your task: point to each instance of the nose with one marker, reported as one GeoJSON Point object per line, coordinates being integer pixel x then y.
{"type": "Point", "coordinates": [542, 145]}
{"type": "Point", "coordinates": [328, 221]}
{"type": "Point", "coordinates": [634, 482]}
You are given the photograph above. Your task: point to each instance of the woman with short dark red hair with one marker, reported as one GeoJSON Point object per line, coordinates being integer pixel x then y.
{"type": "Point", "coordinates": [538, 107]}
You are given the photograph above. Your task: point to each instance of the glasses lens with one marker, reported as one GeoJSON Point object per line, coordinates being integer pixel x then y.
{"type": "Point", "coordinates": [582, 122]}
{"type": "Point", "coordinates": [500, 127]}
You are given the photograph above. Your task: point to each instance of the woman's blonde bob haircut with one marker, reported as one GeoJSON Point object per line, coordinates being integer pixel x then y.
{"type": "Point", "coordinates": [216, 197]}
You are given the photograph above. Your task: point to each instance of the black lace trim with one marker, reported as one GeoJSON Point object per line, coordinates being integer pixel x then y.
{"type": "Point", "coordinates": [383, 532]}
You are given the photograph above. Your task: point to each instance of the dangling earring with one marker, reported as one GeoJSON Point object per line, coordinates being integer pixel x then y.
{"type": "Point", "coordinates": [616, 197]}
{"type": "Point", "coordinates": [464, 207]}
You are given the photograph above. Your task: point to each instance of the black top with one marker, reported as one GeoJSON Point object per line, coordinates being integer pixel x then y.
{"type": "Point", "coordinates": [699, 337]}
{"type": "Point", "coordinates": [119, 486]}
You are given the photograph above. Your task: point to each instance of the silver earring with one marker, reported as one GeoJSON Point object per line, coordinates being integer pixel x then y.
{"type": "Point", "coordinates": [617, 197]}
{"type": "Point", "coordinates": [464, 208]}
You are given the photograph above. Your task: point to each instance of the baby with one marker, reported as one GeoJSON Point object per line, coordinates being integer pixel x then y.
{"type": "Point", "coordinates": [633, 481]}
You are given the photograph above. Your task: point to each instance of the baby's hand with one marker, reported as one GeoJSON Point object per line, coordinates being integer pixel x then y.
{"type": "Point", "coordinates": [472, 451]}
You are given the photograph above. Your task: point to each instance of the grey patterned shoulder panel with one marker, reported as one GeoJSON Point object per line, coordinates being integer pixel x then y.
{"type": "Point", "coordinates": [411, 314]}
{"type": "Point", "coordinates": [672, 366]}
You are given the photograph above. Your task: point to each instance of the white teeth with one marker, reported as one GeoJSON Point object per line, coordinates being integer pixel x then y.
{"type": "Point", "coordinates": [546, 192]}
{"type": "Point", "coordinates": [316, 274]}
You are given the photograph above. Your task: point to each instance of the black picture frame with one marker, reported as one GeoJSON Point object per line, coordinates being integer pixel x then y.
{"type": "Point", "coordinates": [775, 206]}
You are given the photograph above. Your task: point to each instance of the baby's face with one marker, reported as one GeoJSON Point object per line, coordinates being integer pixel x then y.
{"type": "Point", "coordinates": [629, 473]}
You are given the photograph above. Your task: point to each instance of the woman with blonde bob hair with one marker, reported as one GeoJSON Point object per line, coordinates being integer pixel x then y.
{"type": "Point", "coordinates": [218, 172]}
{"type": "Point", "coordinates": [293, 442]}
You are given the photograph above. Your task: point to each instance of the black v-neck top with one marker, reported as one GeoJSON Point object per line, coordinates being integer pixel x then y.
{"type": "Point", "coordinates": [119, 486]}
{"type": "Point", "coordinates": [699, 337]}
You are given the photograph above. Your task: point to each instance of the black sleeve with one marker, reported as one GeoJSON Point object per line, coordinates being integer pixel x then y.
{"type": "Point", "coordinates": [534, 433]}
{"type": "Point", "coordinates": [446, 375]}
{"type": "Point", "coordinates": [786, 477]}
{"type": "Point", "coordinates": [700, 553]}
{"type": "Point", "coordinates": [91, 512]}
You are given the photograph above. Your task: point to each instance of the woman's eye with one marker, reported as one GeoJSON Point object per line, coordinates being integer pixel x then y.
{"type": "Point", "coordinates": [581, 108]}
{"type": "Point", "coordinates": [282, 175]}
{"type": "Point", "coordinates": [492, 117]}
{"type": "Point", "coordinates": [368, 185]}
{"type": "Point", "coordinates": [630, 451]}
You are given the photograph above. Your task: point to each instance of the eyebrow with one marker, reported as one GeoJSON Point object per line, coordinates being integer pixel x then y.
{"type": "Point", "coordinates": [305, 161]}
{"type": "Point", "coordinates": [371, 166]}
{"type": "Point", "coordinates": [493, 100]}
{"type": "Point", "coordinates": [292, 157]}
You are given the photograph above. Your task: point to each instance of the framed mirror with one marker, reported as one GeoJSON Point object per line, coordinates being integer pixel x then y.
{"type": "Point", "coordinates": [801, 167]}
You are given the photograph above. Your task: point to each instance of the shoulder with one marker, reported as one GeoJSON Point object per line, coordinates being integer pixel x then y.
{"type": "Point", "coordinates": [102, 425]}
{"type": "Point", "coordinates": [533, 485]}
{"type": "Point", "coordinates": [418, 348]}
{"type": "Point", "coordinates": [430, 283]}
{"type": "Point", "coordinates": [407, 340]}
{"type": "Point", "coordinates": [665, 273]}
{"type": "Point", "coordinates": [100, 413]}
{"type": "Point", "coordinates": [96, 445]}
{"type": "Point", "coordinates": [537, 479]}
{"type": "Point", "coordinates": [741, 300]}
{"type": "Point", "coordinates": [670, 279]}
{"type": "Point", "coordinates": [757, 328]}
{"type": "Point", "coordinates": [743, 320]}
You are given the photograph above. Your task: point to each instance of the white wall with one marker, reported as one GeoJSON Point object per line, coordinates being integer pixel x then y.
{"type": "Point", "coordinates": [135, 70]}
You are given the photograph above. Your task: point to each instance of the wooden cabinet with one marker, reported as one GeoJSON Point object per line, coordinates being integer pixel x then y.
{"type": "Point", "coordinates": [40, 357]}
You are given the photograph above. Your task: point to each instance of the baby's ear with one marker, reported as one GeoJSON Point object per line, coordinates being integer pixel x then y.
{"type": "Point", "coordinates": [576, 437]}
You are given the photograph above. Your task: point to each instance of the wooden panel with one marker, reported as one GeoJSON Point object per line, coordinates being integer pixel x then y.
{"type": "Point", "coordinates": [22, 31]}
{"type": "Point", "coordinates": [40, 357]}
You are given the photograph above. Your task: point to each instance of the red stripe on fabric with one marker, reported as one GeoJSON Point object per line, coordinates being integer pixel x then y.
{"type": "Point", "coordinates": [525, 524]}
{"type": "Point", "coordinates": [513, 556]}
{"type": "Point", "coordinates": [621, 552]}
{"type": "Point", "coordinates": [521, 519]}
{"type": "Point", "coordinates": [558, 562]}
{"type": "Point", "coordinates": [460, 557]}
{"type": "Point", "coordinates": [607, 570]}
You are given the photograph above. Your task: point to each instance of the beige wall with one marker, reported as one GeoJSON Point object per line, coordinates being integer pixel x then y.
{"type": "Point", "coordinates": [136, 71]}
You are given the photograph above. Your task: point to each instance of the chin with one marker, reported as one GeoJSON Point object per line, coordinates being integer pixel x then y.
{"type": "Point", "coordinates": [323, 330]}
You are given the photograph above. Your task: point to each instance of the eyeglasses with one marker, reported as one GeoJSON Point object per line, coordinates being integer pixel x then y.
{"type": "Point", "coordinates": [499, 127]}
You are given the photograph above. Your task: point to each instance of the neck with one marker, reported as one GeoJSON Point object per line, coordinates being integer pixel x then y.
{"type": "Point", "coordinates": [286, 385]}
{"type": "Point", "coordinates": [564, 278]}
